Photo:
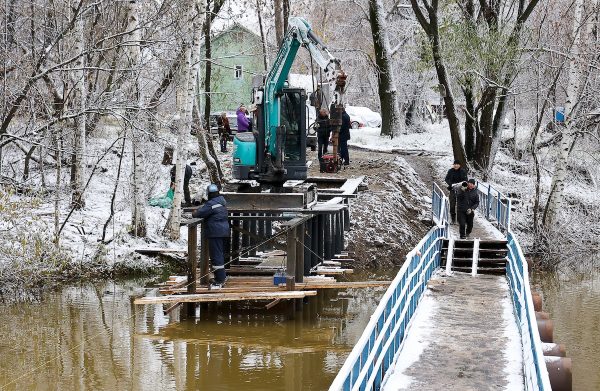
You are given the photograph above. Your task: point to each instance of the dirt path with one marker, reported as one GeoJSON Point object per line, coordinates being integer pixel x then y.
{"type": "Point", "coordinates": [393, 214]}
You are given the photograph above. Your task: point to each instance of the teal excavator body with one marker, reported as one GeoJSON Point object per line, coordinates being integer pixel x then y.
{"type": "Point", "coordinates": [275, 151]}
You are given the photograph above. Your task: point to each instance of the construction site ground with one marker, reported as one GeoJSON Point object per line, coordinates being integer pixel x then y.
{"type": "Point", "coordinates": [390, 217]}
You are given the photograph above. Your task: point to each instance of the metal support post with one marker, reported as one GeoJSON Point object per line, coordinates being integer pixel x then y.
{"type": "Point", "coordinates": [291, 260]}
{"type": "Point", "coordinates": [192, 266]}
{"type": "Point", "coordinates": [299, 240]}
{"type": "Point", "coordinates": [253, 241]}
{"type": "Point", "coordinates": [314, 242]}
{"type": "Point", "coordinates": [235, 241]}
{"type": "Point", "coordinates": [245, 236]}
{"type": "Point", "coordinates": [308, 226]}
{"type": "Point", "coordinates": [320, 236]}
{"type": "Point", "coordinates": [204, 257]}
{"type": "Point", "coordinates": [328, 240]}
{"type": "Point", "coordinates": [261, 231]}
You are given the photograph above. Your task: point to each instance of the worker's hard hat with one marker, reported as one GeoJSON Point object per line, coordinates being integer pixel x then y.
{"type": "Point", "coordinates": [212, 188]}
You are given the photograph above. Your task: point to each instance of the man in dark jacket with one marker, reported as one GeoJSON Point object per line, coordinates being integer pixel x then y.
{"type": "Point", "coordinates": [344, 137]}
{"type": "Point", "coordinates": [214, 212]}
{"type": "Point", "coordinates": [186, 183]}
{"type": "Point", "coordinates": [467, 200]}
{"type": "Point", "coordinates": [455, 175]}
{"type": "Point", "coordinates": [323, 132]}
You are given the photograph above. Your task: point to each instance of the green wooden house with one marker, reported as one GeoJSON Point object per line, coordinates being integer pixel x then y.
{"type": "Point", "coordinates": [236, 58]}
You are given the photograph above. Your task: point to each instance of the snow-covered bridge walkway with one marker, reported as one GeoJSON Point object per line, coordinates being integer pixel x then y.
{"type": "Point", "coordinates": [442, 325]}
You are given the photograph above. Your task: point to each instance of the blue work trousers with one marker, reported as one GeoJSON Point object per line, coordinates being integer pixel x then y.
{"type": "Point", "coordinates": [217, 258]}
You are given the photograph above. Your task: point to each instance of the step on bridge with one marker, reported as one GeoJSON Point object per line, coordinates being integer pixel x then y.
{"type": "Point", "coordinates": [459, 315]}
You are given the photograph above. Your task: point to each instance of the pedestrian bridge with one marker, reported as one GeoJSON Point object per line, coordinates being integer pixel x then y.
{"type": "Point", "coordinates": [459, 315]}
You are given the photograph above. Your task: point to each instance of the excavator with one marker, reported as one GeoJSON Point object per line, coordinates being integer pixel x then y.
{"type": "Point", "coordinates": [275, 151]}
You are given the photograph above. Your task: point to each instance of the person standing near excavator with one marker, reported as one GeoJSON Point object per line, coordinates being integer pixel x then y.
{"type": "Point", "coordinates": [323, 132]}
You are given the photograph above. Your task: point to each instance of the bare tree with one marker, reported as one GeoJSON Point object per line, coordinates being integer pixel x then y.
{"type": "Point", "coordinates": [80, 96]}
{"type": "Point", "coordinates": [388, 94]}
{"type": "Point", "coordinates": [135, 118]}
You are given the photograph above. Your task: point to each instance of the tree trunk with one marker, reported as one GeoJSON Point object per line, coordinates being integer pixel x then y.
{"type": "Point", "coordinates": [138, 215]}
{"type": "Point", "coordinates": [79, 86]}
{"type": "Point", "coordinates": [442, 74]}
{"type": "Point", "coordinates": [57, 138]}
{"type": "Point", "coordinates": [286, 15]}
{"type": "Point", "coordinates": [485, 137]}
{"type": "Point", "coordinates": [470, 120]}
{"type": "Point", "coordinates": [388, 95]}
{"type": "Point", "coordinates": [278, 9]}
{"type": "Point", "coordinates": [207, 70]}
{"type": "Point", "coordinates": [556, 198]}
{"type": "Point", "coordinates": [203, 147]}
{"type": "Point", "coordinates": [263, 40]}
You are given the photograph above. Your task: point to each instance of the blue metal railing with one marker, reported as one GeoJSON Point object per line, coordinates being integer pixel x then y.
{"type": "Point", "coordinates": [440, 206]}
{"type": "Point", "coordinates": [534, 366]}
{"type": "Point", "coordinates": [366, 366]}
{"type": "Point", "coordinates": [494, 206]}
{"type": "Point", "coordinates": [374, 353]}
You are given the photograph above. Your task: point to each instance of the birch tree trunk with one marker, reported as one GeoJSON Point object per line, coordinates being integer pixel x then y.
{"type": "Point", "coordinates": [388, 94]}
{"type": "Point", "coordinates": [135, 120]}
{"type": "Point", "coordinates": [556, 197]}
{"type": "Point", "coordinates": [185, 103]}
{"type": "Point", "coordinates": [79, 86]}
{"type": "Point", "coordinates": [180, 123]}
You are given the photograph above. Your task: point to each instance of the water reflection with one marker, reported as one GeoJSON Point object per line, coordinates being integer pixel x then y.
{"type": "Point", "coordinates": [93, 338]}
{"type": "Point", "coordinates": [574, 303]}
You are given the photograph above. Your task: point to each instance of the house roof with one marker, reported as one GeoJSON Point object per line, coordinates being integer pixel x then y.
{"type": "Point", "coordinates": [233, 27]}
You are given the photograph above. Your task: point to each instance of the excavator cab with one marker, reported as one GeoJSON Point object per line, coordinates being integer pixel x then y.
{"type": "Point", "coordinates": [276, 149]}
{"type": "Point", "coordinates": [251, 157]}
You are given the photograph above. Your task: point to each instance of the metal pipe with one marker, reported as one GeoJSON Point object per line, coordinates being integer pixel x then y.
{"type": "Point", "coordinates": [546, 330]}
{"type": "Point", "coordinates": [554, 349]}
{"type": "Point", "coordinates": [560, 373]}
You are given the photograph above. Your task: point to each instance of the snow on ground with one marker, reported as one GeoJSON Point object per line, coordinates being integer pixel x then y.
{"type": "Point", "coordinates": [513, 177]}
{"type": "Point", "coordinates": [80, 239]}
{"type": "Point", "coordinates": [436, 139]}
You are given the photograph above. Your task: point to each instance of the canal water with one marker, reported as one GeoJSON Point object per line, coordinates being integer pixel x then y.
{"type": "Point", "coordinates": [574, 304]}
{"type": "Point", "coordinates": [91, 337]}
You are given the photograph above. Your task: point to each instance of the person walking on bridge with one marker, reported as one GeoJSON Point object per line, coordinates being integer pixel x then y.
{"type": "Point", "coordinates": [467, 200]}
{"type": "Point", "coordinates": [214, 211]}
{"type": "Point", "coordinates": [456, 174]}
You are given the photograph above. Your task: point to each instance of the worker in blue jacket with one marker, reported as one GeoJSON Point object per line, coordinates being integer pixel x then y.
{"type": "Point", "coordinates": [214, 212]}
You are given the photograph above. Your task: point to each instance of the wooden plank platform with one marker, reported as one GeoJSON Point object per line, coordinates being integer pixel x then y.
{"type": "Point", "coordinates": [265, 284]}
{"type": "Point", "coordinates": [218, 297]}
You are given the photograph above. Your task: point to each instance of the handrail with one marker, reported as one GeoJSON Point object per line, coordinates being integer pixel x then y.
{"type": "Point", "coordinates": [495, 206]}
{"type": "Point", "coordinates": [497, 209]}
{"type": "Point", "coordinates": [374, 353]}
{"type": "Point", "coordinates": [440, 206]}
{"type": "Point", "coordinates": [534, 366]}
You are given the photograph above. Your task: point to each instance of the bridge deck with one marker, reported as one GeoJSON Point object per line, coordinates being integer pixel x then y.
{"type": "Point", "coordinates": [482, 229]}
{"type": "Point", "coordinates": [463, 337]}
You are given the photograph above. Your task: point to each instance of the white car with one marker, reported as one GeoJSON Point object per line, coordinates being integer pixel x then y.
{"type": "Point", "coordinates": [361, 117]}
